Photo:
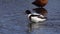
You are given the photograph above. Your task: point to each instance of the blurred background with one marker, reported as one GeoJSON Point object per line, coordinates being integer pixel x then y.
{"type": "Point", "coordinates": [13, 19]}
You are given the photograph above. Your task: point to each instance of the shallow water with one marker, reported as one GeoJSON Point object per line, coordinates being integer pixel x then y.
{"type": "Point", "coordinates": [13, 19]}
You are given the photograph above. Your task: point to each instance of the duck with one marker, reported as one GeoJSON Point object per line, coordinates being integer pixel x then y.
{"type": "Point", "coordinates": [34, 17]}
{"type": "Point", "coordinates": [40, 3]}
{"type": "Point", "coordinates": [42, 11]}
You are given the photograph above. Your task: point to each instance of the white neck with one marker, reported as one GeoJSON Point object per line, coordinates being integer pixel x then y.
{"type": "Point", "coordinates": [29, 15]}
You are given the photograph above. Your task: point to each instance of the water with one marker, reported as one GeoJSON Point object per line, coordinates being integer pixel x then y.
{"type": "Point", "coordinates": [13, 19]}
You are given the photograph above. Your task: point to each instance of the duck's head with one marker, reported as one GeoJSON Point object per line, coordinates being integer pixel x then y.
{"type": "Point", "coordinates": [28, 12]}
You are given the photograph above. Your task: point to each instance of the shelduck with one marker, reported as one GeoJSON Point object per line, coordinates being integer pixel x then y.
{"type": "Point", "coordinates": [34, 17]}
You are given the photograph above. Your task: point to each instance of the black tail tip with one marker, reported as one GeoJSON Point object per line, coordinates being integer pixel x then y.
{"type": "Point", "coordinates": [27, 11]}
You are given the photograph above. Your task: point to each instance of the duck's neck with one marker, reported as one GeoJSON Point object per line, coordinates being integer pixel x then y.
{"type": "Point", "coordinates": [29, 15]}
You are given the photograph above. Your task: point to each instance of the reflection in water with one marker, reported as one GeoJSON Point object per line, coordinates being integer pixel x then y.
{"type": "Point", "coordinates": [32, 26]}
{"type": "Point", "coordinates": [42, 11]}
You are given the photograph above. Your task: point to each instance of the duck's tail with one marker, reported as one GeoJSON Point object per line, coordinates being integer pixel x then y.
{"type": "Point", "coordinates": [28, 12]}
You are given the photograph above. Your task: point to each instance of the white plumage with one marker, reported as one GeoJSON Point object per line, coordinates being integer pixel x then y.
{"type": "Point", "coordinates": [36, 18]}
